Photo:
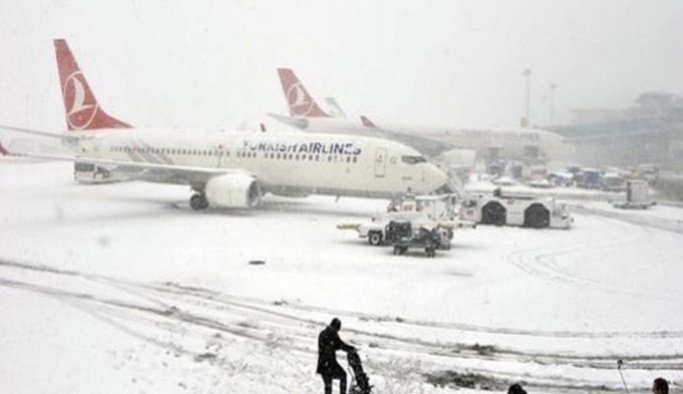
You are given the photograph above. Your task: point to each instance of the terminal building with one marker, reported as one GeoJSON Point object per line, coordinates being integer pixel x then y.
{"type": "Point", "coordinates": [650, 131]}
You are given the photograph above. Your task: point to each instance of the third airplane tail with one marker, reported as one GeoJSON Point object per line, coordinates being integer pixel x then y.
{"type": "Point", "coordinates": [367, 122]}
{"type": "Point", "coordinates": [299, 101]}
{"type": "Point", "coordinates": [3, 151]}
{"type": "Point", "coordinates": [81, 107]}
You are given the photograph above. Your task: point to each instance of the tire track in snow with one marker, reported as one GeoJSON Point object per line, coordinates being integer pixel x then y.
{"type": "Point", "coordinates": [197, 307]}
{"type": "Point", "coordinates": [545, 263]}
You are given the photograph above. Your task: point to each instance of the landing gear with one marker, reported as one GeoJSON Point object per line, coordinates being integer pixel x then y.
{"type": "Point", "coordinates": [198, 202]}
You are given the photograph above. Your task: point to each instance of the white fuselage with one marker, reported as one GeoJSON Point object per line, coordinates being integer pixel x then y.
{"type": "Point", "coordinates": [507, 143]}
{"type": "Point", "coordinates": [489, 143]}
{"type": "Point", "coordinates": [282, 163]}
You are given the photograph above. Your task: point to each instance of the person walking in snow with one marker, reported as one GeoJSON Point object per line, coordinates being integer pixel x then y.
{"type": "Point", "coordinates": [328, 344]}
{"type": "Point", "coordinates": [516, 389]}
{"type": "Point", "coordinates": [660, 386]}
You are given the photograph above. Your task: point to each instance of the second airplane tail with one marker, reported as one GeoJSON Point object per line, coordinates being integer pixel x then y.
{"type": "Point", "coordinates": [300, 103]}
{"type": "Point", "coordinates": [82, 110]}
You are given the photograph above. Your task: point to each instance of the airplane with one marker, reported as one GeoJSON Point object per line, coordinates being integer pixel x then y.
{"type": "Point", "coordinates": [306, 114]}
{"type": "Point", "coordinates": [234, 170]}
{"type": "Point", "coordinates": [525, 144]}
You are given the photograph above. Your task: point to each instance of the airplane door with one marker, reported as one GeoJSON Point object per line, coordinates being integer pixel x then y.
{"type": "Point", "coordinates": [223, 153]}
{"type": "Point", "coordinates": [96, 147]}
{"type": "Point", "coordinates": [380, 162]}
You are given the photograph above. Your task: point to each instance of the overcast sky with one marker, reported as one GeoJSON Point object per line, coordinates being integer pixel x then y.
{"type": "Point", "coordinates": [202, 63]}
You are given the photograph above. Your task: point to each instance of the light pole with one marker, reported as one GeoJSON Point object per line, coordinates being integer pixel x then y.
{"type": "Point", "coordinates": [527, 76]}
{"type": "Point", "coordinates": [552, 103]}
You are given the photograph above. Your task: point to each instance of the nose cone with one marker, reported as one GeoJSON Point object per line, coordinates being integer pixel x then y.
{"type": "Point", "coordinates": [434, 178]}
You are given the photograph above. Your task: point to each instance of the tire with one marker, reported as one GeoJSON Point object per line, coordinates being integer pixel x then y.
{"type": "Point", "coordinates": [397, 250]}
{"type": "Point", "coordinates": [375, 238]}
{"type": "Point", "coordinates": [198, 202]}
{"type": "Point", "coordinates": [430, 252]}
{"type": "Point", "coordinates": [493, 213]}
{"type": "Point", "coordinates": [537, 216]}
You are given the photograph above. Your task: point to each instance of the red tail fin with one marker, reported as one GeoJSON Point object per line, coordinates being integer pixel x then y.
{"type": "Point", "coordinates": [82, 109]}
{"type": "Point", "coordinates": [3, 151]}
{"type": "Point", "coordinates": [299, 101]}
{"type": "Point", "coordinates": [367, 122]}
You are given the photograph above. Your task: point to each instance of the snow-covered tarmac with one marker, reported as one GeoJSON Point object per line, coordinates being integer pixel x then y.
{"type": "Point", "coordinates": [122, 288]}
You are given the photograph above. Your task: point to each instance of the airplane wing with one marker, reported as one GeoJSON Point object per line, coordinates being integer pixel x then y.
{"type": "Point", "coordinates": [48, 134]}
{"type": "Point", "coordinates": [155, 172]}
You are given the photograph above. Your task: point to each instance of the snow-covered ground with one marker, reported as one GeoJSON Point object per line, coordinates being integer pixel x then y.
{"type": "Point", "coordinates": [122, 288]}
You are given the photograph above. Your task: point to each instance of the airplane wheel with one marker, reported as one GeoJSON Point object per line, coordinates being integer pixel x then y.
{"type": "Point", "coordinates": [375, 238]}
{"type": "Point", "coordinates": [198, 202]}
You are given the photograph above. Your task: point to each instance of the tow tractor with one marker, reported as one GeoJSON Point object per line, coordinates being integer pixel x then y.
{"type": "Point", "coordinates": [517, 210]}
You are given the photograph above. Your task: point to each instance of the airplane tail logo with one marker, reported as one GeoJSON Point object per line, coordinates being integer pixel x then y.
{"type": "Point", "coordinates": [82, 109]}
{"type": "Point", "coordinates": [299, 101]}
{"type": "Point", "coordinates": [3, 151]}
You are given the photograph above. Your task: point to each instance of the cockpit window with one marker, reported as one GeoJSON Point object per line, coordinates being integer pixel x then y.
{"type": "Point", "coordinates": [413, 159]}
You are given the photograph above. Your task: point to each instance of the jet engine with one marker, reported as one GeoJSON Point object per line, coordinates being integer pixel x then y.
{"type": "Point", "coordinates": [233, 191]}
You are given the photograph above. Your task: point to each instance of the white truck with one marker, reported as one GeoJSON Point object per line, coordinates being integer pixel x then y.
{"type": "Point", "coordinates": [637, 195]}
{"type": "Point", "coordinates": [525, 211]}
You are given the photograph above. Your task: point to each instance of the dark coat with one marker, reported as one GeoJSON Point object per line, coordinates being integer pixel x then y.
{"type": "Point", "coordinates": [328, 343]}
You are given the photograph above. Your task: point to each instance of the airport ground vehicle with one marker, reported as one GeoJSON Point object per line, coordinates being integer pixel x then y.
{"type": "Point", "coordinates": [613, 182]}
{"type": "Point", "coordinates": [403, 236]}
{"type": "Point", "coordinates": [589, 178]}
{"type": "Point", "coordinates": [649, 172]}
{"type": "Point", "coordinates": [525, 211]}
{"type": "Point", "coordinates": [89, 173]}
{"type": "Point", "coordinates": [375, 231]}
{"type": "Point", "coordinates": [431, 212]}
{"type": "Point", "coordinates": [637, 195]}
